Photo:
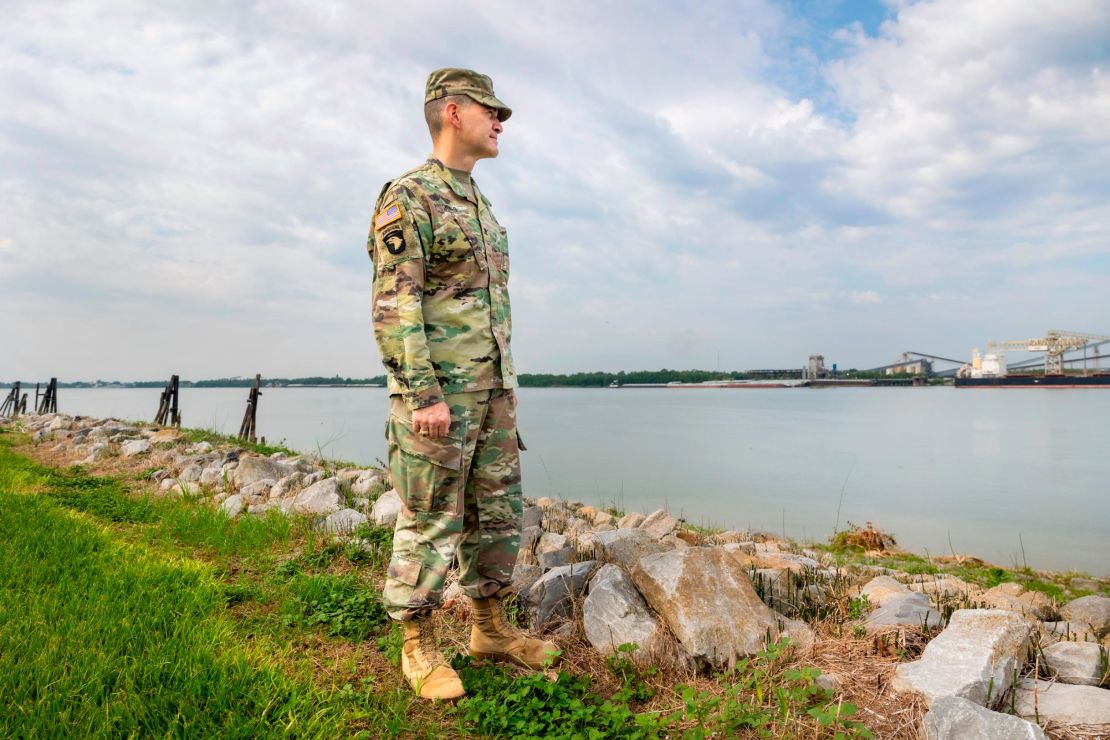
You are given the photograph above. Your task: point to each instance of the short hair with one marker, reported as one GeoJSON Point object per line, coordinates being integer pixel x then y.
{"type": "Point", "coordinates": [433, 111]}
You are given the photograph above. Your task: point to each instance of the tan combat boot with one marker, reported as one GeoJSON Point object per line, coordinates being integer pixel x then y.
{"type": "Point", "coordinates": [423, 665]}
{"type": "Point", "coordinates": [493, 637]}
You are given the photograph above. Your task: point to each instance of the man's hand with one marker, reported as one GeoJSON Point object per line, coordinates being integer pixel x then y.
{"type": "Point", "coordinates": [432, 421]}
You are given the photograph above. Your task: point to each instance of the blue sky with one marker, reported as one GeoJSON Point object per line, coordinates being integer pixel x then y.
{"type": "Point", "coordinates": [187, 187]}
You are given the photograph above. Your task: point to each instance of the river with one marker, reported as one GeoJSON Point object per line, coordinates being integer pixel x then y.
{"type": "Point", "coordinates": [992, 473]}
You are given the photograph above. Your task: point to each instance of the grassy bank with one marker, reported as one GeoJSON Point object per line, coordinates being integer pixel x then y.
{"type": "Point", "coordinates": [125, 613]}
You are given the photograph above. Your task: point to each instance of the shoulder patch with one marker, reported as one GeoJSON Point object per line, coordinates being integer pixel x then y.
{"type": "Point", "coordinates": [387, 216]}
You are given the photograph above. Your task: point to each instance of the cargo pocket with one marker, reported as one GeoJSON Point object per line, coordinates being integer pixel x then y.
{"type": "Point", "coordinates": [404, 570]}
{"type": "Point", "coordinates": [426, 472]}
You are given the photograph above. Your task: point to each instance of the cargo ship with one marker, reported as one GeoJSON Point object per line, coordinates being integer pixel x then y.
{"type": "Point", "coordinates": [990, 370]}
{"type": "Point", "coordinates": [1101, 380]}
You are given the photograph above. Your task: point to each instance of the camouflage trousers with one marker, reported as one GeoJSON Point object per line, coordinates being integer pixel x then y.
{"type": "Point", "coordinates": [462, 496]}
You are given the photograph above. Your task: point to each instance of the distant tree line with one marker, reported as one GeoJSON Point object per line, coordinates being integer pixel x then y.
{"type": "Point", "coordinates": [602, 380]}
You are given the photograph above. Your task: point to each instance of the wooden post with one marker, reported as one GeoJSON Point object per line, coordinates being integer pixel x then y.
{"type": "Point", "coordinates": [37, 398]}
{"type": "Point", "coordinates": [168, 414]}
{"type": "Point", "coordinates": [11, 402]}
{"type": "Point", "coordinates": [22, 405]}
{"type": "Point", "coordinates": [49, 402]}
{"type": "Point", "coordinates": [247, 428]}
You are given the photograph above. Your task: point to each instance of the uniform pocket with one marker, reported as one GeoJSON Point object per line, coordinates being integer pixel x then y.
{"type": "Point", "coordinates": [426, 472]}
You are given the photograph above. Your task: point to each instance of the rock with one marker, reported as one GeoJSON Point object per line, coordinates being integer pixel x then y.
{"type": "Point", "coordinates": [348, 476]}
{"type": "Point", "coordinates": [546, 503]}
{"type": "Point", "coordinates": [529, 538]}
{"type": "Point", "coordinates": [552, 596]}
{"type": "Point", "coordinates": [253, 468]}
{"type": "Point", "coordinates": [313, 477]}
{"type": "Point", "coordinates": [322, 497]}
{"type": "Point", "coordinates": [287, 485]}
{"type": "Point", "coordinates": [943, 586]}
{"type": "Point", "coordinates": [1081, 663]}
{"type": "Point", "coordinates": [910, 608]}
{"type": "Point", "coordinates": [881, 589]}
{"type": "Point", "coordinates": [956, 718]}
{"type": "Point", "coordinates": [1015, 597]}
{"type": "Point", "coordinates": [631, 520]}
{"type": "Point", "coordinates": [587, 513]}
{"type": "Point", "coordinates": [975, 655]}
{"type": "Point", "coordinates": [1062, 703]}
{"type": "Point", "coordinates": [386, 509]}
{"type": "Point", "coordinates": [366, 482]}
{"type": "Point", "coordinates": [191, 473]}
{"type": "Point", "coordinates": [1089, 610]}
{"type": "Point", "coordinates": [134, 447]}
{"type": "Point", "coordinates": [1068, 631]}
{"type": "Point", "coordinates": [614, 613]}
{"type": "Point", "coordinates": [258, 491]}
{"type": "Point", "coordinates": [166, 484]}
{"type": "Point", "coordinates": [211, 477]}
{"type": "Point", "coordinates": [533, 517]}
{"type": "Point", "coordinates": [659, 524]}
{"type": "Point", "coordinates": [524, 575]}
{"type": "Point", "coordinates": [625, 546]}
{"type": "Point", "coordinates": [555, 558]}
{"type": "Point", "coordinates": [263, 507]}
{"type": "Point", "coordinates": [344, 521]}
{"type": "Point", "coordinates": [604, 520]}
{"type": "Point", "coordinates": [200, 448]}
{"type": "Point", "coordinates": [551, 542]}
{"type": "Point", "coordinates": [786, 561]}
{"type": "Point", "coordinates": [707, 600]}
{"type": "Point", "coordinates": [233, 505]}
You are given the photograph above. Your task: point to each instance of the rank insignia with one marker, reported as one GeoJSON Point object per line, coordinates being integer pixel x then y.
{"type": "Point", "coordinates": [388, 216]}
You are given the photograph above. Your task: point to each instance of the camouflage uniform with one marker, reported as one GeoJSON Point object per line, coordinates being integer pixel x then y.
{"type": "Point", "coordinates": [442, 324]}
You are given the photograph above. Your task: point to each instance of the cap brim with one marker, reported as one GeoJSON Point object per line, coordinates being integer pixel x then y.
{"type": "Point", "coordinates": [503, 111]}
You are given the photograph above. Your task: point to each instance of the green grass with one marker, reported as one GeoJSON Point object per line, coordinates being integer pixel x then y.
{"type": "Point", "coordinates": [127, 614]}
{"type": "Point", "coordinates": [99, 637]}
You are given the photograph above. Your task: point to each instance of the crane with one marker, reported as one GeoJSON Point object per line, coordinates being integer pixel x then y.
{"type": "Point", "coordinates": [1054, 344]}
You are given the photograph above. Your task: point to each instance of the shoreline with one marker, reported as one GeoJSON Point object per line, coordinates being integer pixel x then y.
{"type": "Point", "coordinates": [857, 622]}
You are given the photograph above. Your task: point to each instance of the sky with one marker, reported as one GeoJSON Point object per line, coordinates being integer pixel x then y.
{"type": "Point", "coordinates": [186, 187]}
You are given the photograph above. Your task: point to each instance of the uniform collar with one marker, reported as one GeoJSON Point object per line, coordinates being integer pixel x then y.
{"type": "Point", "coordinates": [448, 177]}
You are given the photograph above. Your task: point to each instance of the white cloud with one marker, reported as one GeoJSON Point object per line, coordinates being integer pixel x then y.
{"type": "Point", "coordinates": [200, 177]}
{"type": "Point", "coordinates": [865, 296]}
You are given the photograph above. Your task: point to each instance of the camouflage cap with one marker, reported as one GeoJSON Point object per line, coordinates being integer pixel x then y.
{"type": "Point", "coordinates": [455, 81]}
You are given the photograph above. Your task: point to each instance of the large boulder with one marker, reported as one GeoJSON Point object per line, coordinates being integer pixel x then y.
{"type": "Point", "coordinates": [532, 517]}
{"type": "Point", "coordinates": [134, 447]}
{"type": "Point", "coordinates": [233, 505]}
{"type": "Point", "coordinates": [910, 609]}
{"type": "Point", "coordinates": [632, 519]}
{"type": "Point", "coordinates": [614, 614]}
{"type": "Point", "coordinates": [974, 658]}
{"type": "Point", "coordinates": [625, 547]}
{"type": "Point", "coordinates": [1015, 597]}
{"type": "Point", "coordinates": [659, 524]}
{"type": "Point", "coordinates": [322, 497]}
{"type": "Point", "coordinates": [366, 482]}
{"type": "Point", "coordinates": [1062, 703]}
{"type": "Point", "coordinates": [1093, 611]}
{"type": "Point", "coordinates": [881, 589]}
{"type": "Point", "coordinates": [552, 597]}
{"type": "Point", "coordinates": [252, 468]}
{"type": "Point", "coordinates": [524, 575]}
{"type": "Point", "coordinates": [386, 509]}
{"type": "Point", "coordinates": [1081, 663]}
{"type": "Point", "coordinates": [1067, 632]}
{"type": "Point", "coordinates": [955, 718]}
{"type": "Point", "coordinates": [287, 485]}
{"type": "Point", "coordinates": [708, 601]}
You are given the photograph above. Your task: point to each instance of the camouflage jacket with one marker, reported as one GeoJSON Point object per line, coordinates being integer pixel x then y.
{"type": "Point", "coordinates": [441, 299]}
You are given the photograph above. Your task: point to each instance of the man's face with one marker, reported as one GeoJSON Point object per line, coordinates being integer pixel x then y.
{"type": "Point", "coordinates": [480, 129]}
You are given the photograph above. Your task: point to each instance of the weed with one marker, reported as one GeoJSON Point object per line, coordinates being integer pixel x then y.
{"type": "Point", "coordinates": [343, 604]}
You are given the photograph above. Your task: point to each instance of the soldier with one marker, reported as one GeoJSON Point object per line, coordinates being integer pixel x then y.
{"type": "Point", "coordinates": [442, 325]}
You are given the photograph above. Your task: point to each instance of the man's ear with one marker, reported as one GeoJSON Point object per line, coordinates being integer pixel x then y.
{"type": "Point", "coordinates": [451, 115]}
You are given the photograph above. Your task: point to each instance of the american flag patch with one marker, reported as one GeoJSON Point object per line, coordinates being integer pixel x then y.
{"type": "Point", "coordinates": [388, 216]}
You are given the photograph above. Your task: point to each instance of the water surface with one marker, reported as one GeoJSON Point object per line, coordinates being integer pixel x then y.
{"type": "Point", "coordinates": [944, 469]}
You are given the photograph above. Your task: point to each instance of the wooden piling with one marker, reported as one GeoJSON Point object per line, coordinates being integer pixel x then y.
{"type": "Point", "coordinates": [168, 414]}
{"type": "Point", "coordinates": [49, 402]}
{"type": "Point", "coordinates": [12, 402]}
{"type": "Point", "coordinates": [247, 428]}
